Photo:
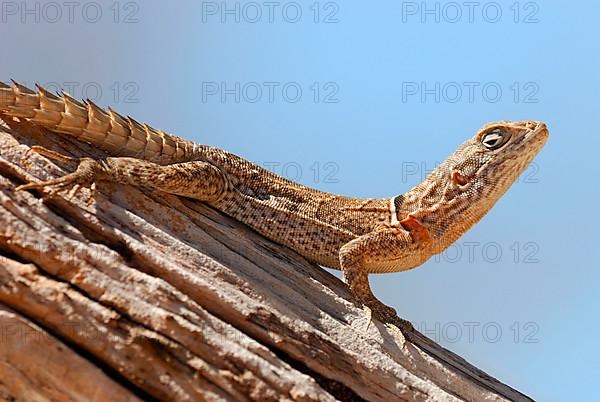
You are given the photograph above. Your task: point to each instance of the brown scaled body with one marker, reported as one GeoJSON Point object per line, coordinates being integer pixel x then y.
{"type": "Point", "coordinates": [358, 236]}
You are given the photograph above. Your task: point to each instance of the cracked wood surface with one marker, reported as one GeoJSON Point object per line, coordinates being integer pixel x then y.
{"type": "Point", "coordinates": [117, 293]}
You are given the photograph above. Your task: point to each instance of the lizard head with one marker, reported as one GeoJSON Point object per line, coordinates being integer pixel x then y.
{"type": "Point", "coordinates": [466, 186]}
{"type": "Point", "coordinates": [494, 158]}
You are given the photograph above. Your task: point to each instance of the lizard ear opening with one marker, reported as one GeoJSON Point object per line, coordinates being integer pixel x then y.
{"type": "Point", "coordinates": [495, 139]}
{"type": "Point", "coordinates": [458, 179]}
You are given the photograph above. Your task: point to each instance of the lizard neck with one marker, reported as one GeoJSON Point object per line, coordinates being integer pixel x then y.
{"type": "Point", "coordinates": [446, 209]}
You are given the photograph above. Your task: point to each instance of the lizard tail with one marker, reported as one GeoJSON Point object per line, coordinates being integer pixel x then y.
{"type": "Point", "coordinates": [107, 130]}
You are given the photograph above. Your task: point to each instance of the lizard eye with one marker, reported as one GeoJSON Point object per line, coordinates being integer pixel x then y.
{"type": "Point", "coordinates": [495, 139]}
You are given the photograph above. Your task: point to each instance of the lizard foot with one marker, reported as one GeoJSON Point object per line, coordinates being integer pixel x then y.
{"type": "Point", "coordinates": [385, 314]}
{"type": "Point", "coordinates": [87, 172]}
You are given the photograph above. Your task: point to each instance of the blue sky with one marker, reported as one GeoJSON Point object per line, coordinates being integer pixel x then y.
{"type": "Point", "coordinates": [362, 99]}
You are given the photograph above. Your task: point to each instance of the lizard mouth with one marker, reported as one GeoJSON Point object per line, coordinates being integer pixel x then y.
{"type": "Point", "coordinates": [534, 136]}
{"type": "Point", "coordinates": [536, 130]}
{"type": "Point", "coordinates": [538, 136]}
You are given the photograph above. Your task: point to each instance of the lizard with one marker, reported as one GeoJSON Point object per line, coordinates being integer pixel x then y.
{"type": "Point", "coordinates": [359, 236]}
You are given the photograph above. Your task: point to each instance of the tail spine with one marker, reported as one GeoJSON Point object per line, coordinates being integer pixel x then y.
{"type": "Point", "coordinates": [107, 130]}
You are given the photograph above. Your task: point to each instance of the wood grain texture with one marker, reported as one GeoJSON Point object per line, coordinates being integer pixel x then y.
{"type": "Point", "coordinates": [152, 296]}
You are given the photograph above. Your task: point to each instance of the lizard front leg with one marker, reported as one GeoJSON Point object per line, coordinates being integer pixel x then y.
{"type": "Point", "coordinates": [383, 250]}
{"type": "Point", "coordinates": [196, 179]}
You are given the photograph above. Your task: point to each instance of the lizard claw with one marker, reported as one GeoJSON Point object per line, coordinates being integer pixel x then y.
{"type": "Point", "coordinates": [369, 314]}
{"type": "Point", "coordinates": [386, 315]}
{"type": "Point", "coordinates": [53, 185]}
{"type": "Point", "coordinates": [86, 173]}
{"type": "Point", "coordinates": [54, 155]}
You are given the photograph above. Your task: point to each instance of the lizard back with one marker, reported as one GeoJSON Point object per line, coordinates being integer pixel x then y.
{"type": "Point", "coordinates": [276, 207]}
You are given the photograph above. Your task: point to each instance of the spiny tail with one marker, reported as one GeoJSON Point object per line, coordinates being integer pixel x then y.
{"type": "Point", "coordinates": [107, 130]}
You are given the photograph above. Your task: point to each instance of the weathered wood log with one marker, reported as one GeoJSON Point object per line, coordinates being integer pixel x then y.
{"type": "Point", "coordinates": [120, 293]}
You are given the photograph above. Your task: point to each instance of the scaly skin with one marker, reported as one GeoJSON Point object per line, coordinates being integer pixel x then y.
{"type": "Point", "coordinates": [358, 236]}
